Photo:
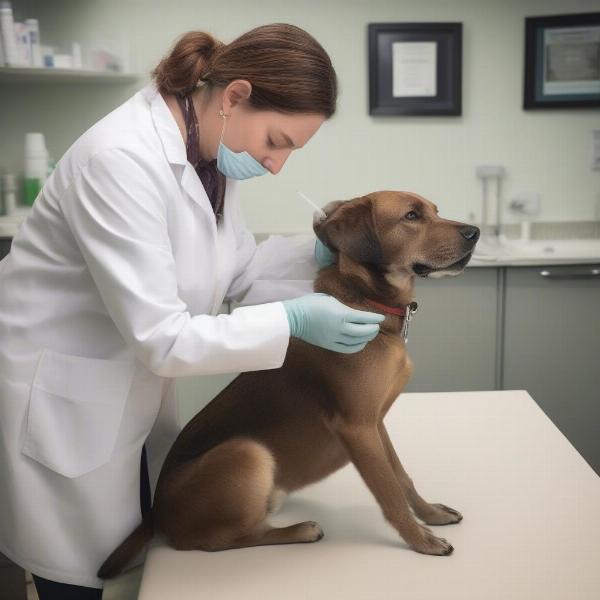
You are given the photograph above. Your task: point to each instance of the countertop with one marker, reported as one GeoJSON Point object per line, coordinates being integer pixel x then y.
{"type": "Point", "coordinates": [530, 525]}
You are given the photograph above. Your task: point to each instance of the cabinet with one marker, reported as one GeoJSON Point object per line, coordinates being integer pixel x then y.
{"type": "Point", "coordinates": [452, 338]}
{"type": "Point", "coordinates": [551, 347]}
{"type": "Point", "coordinates": [530, 328]}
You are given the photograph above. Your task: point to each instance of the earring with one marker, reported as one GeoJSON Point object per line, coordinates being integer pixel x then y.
{"type": "Point", "coordinates": [222, 114]}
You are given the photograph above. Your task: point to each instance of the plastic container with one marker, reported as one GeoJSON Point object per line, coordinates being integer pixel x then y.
{"type": "Point", "coordinates": [35, 50]}
{"type": "Point", "coordinates": [63, 61]}
{"type": "Point", "coordinates": [2, 59]}
{"type": "Point", "coordinates": [36, 166]}
{"type": "Point", "coordinates": [10, 193]}
{"type": "Point", "coordinates": [7, 28]}
{"type": "Point", "coordinates": [47, 56]}
{"type": "Point", "coordinates": [23, 47]}
{"type": "Point", "coordinates": [76, 55]}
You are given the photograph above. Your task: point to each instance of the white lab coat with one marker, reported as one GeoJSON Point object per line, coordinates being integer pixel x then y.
{"type": "Point", "coordinates": [111, 290]}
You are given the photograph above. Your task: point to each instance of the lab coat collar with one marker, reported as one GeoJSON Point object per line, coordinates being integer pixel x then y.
{"type": "Point", "coordinates": [166, 126]}
{"type": "Point", "coordinates": [174, 148]}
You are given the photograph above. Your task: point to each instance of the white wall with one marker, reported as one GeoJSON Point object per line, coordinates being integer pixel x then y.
{"type": "Point", "coordinates": [353, 153]}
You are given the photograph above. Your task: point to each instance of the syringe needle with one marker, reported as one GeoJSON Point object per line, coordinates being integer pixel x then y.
{"type": "Point", "coordinates": [306, 199]}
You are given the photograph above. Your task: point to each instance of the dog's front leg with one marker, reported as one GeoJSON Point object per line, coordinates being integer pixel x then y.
{"type": "Point", "coordinates": [432, 514]}
{"type": "Point", "coordinates": [367, 451]}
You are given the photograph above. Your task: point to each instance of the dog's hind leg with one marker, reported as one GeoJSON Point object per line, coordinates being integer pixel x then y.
{"type": "Point", "coordinates": [224, 498]}
{"type": "Point", "coordinates": [264, 534]}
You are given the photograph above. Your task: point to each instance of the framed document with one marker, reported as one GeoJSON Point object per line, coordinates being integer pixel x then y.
{"type": "Point", "coordinates": [415, 68]}
{"type": "Point", "coordinates": [562, 61]}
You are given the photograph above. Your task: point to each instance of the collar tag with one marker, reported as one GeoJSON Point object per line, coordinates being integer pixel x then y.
{"type": "Point", "coordinates": [410, 310]}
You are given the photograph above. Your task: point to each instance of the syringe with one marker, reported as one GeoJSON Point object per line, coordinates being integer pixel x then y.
{"type": "Point", "coordinates": [322, 213]}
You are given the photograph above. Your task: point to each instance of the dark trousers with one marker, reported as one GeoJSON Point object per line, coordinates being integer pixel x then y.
{"type": "Point", "coordinates": [52, 590]}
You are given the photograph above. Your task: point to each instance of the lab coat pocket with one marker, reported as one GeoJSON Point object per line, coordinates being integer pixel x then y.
{"type": "Point", "coordinates": [75, 410]}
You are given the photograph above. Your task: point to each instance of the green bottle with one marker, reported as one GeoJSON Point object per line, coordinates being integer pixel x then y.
{"type": "Point", "coordinates": [31, 188]}
{"type": "Point", "coordinates": [36, 166]}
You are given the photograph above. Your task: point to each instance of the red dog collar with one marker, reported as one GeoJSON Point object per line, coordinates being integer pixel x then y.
{"type": "Point", "coordinates": [404, 311]}
{"type": "Point", "coordinates": [396, 310]}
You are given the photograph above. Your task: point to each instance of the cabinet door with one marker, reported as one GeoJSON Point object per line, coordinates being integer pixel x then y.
{"type": "Point", "coordinates": [452, 337]}
{"type": "Point", "coordinates": [552, 347]}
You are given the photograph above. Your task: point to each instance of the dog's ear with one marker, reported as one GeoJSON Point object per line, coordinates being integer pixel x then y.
{"type": "Point", "coordinates": [350, 228]}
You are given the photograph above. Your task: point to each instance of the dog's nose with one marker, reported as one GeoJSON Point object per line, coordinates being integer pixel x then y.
{"type": "Point", "coordinates": [470, 232]}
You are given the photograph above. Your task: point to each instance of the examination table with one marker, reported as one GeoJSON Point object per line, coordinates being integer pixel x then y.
{"type": "Point", "coordinates": [531, 526]}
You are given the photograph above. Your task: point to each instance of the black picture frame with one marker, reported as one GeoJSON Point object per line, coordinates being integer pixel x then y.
{"type": "Point", "coordinates": [447, 99]}
{"type": "Point", "coordinates": [547, 74]}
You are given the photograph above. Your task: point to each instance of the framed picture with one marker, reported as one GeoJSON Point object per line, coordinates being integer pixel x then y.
{"type": "Point", "coordinates": [415, 68]}
{"type": "Point", "coordinates": [562, 61]}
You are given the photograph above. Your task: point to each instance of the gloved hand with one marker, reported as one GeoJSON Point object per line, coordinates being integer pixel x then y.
{"type": "Point", "coordinates": [324, 321]}
{"type": "Point", "coordinates": [323, 255]}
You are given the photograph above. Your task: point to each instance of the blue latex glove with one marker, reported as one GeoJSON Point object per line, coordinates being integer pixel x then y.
{"type": "Point", "coordinates": [324, 321]}
{"type": "Point", "coordinates": [323, 255]}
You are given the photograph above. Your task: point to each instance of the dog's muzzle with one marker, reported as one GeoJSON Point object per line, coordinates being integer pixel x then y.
{"type": "Point", "coordinates": [422, 270]}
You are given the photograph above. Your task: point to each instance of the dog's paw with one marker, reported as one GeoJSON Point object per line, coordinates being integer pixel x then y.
{"type": "Point", "coordinates": [441, 514]}
{"type": "Point", "coordinates": [428, 543]}
{"type": "Point", "coordinates": [310, 531]}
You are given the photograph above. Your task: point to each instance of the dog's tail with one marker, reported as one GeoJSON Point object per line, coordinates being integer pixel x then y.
{"type": "Point", "coordinates": [128, 550]}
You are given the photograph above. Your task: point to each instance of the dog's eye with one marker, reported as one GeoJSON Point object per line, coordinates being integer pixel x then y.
{"type": "Point", "coordinates": [411, 216]}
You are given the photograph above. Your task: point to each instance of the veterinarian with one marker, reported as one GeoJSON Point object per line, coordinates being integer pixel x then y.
{"type": "Point", "coordinates": [113, 283]}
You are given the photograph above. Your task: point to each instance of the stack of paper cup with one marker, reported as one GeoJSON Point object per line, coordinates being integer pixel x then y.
{"type": "Point", "coordinates": [36, 165]}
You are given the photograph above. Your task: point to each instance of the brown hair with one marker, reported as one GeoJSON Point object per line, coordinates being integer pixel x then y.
{"type": "Point", "coordinates": [288, 69]}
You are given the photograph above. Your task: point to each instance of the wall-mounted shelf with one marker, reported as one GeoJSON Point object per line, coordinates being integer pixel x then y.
{"type": "Point", "coordinates": [53, 75]}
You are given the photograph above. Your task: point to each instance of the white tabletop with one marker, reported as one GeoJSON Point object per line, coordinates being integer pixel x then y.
{"type": "Point", "coordinates": [530, 502]}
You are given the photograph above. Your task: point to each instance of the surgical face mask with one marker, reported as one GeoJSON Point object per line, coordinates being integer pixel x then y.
{"type": "Point", "coordinates": [237, 165]}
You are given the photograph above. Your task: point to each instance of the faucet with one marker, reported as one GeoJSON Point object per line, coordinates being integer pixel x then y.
{"type": "Point", "coordinates": [485, 173]}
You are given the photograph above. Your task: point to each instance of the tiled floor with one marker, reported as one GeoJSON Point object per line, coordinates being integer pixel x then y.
{"type": "Point", "coordinates": [125, 587]}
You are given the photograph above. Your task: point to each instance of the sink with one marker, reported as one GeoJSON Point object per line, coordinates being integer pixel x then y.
{"type": "Point", "coordinates": [503, 249]}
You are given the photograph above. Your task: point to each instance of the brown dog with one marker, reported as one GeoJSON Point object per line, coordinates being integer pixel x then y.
{"type": "Point", "coordinates": [274, 431]}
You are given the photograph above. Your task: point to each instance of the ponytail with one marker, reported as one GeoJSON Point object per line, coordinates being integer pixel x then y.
{"type": "Point", "coordinates": [188, 62]}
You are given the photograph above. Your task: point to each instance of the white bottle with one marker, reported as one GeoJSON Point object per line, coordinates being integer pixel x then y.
{"type": "Point", "coordinates": [36, 165]}
{"type": "Point", "coordinates": [76, 54]}
{"type": "Point", "coordinates": [7, 26]}
{"type": "Point", "coordinates": [10, 194]}
{"type": "Point", "coordinates": [2, 59]}
{"type": "Point", "coordinates": [35, 50]}
{"type": "Point", "coordinates": [23, 48]}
